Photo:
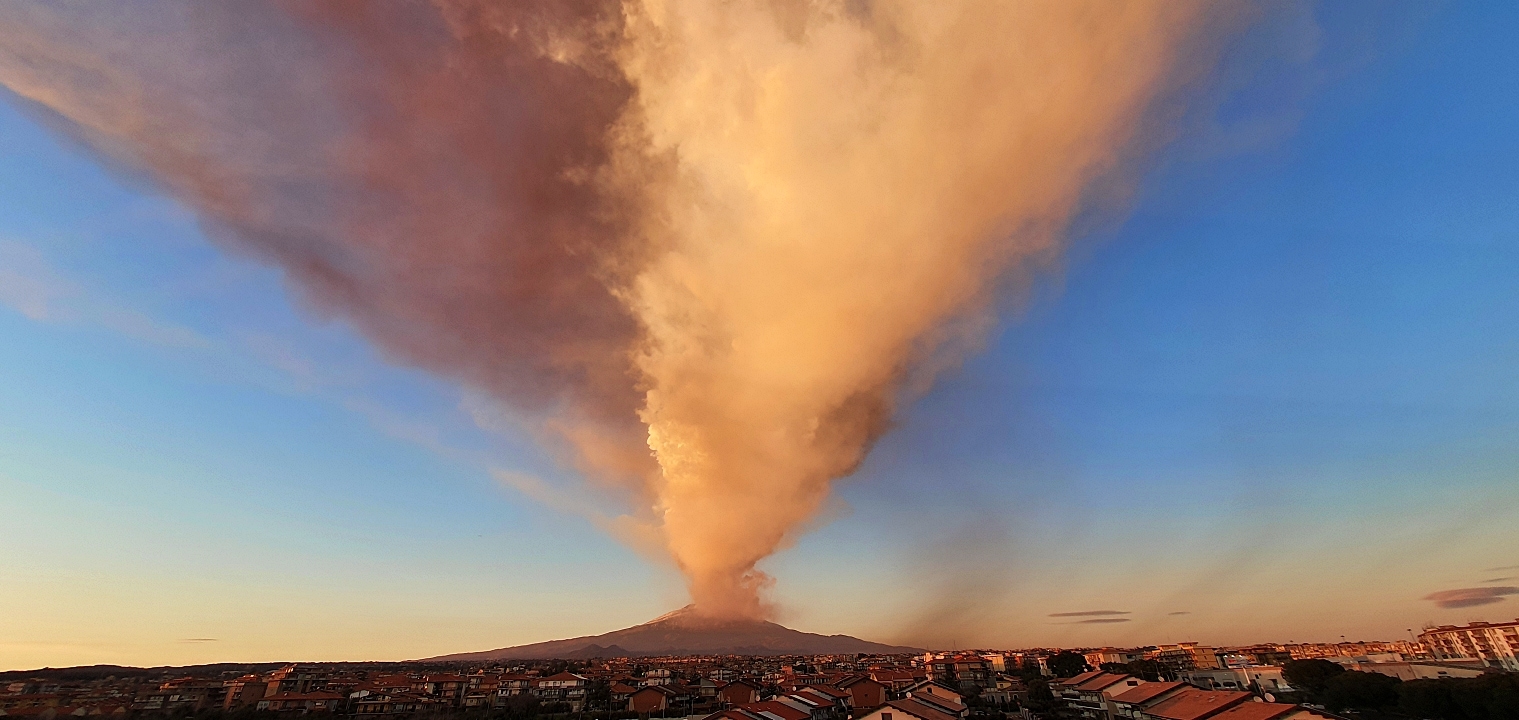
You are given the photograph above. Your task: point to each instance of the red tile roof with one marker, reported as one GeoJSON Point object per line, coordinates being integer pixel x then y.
{"type": "Point", "coordinates": [1256, 711]}
{"type": "Point", "coordinates": [1079, 679]}
{"type": "Point", "coordinates": [1147, 691]}
{"type": "Point", "coordinates": [1196, 704]}
{"type": "Point", "coordinates": [919, 709]}
{"type": "Point", "coordinates": [778, 709]}
{"type": "Point", "coordinates": [1102, 682]}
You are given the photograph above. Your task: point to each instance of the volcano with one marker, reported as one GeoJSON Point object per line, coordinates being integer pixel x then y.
{"type": "Point", "coordinates": [684, 632]}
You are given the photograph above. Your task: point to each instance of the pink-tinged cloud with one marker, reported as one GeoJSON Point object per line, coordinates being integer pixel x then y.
{"type": "Point", "coordinates": [1470, 597]}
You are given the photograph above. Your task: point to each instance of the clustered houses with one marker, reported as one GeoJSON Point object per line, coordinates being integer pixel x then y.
{"type": "Point", "coordinates": [769, 688]}
{"type": "Point", "coordinates": [1097, 695]}
{"type": "Point", "coordinates": [1196, 682]}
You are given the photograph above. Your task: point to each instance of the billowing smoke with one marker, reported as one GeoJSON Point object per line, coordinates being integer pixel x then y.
{"type": "Point", "coordinates": [707, 245]}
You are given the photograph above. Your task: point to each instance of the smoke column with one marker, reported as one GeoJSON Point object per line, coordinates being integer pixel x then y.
{"type": "Point", "coordinates": [707, 245]}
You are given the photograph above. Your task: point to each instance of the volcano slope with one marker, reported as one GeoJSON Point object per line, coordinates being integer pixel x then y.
{"type": "Point", "coordinates": [684, 632]}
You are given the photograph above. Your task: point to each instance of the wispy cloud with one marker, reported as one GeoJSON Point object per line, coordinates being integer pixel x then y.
{"type": "Point", "coordinates": [30, 285]}
{"type": "Point", "coordinates": [1180, 612]}
{"type": "Point", "coordinates": [1090, 613]}
{"type": "Point", "coordinates": [1470, 597]}
{"type": "Point", "coordinates": [199, 640]}
{"type": "Point", "coordinates": [1501, 569]}
{"type": "Point", "coordinates": [1102, 621]}
{"type": "Point", "coordinates": [1499, 579]}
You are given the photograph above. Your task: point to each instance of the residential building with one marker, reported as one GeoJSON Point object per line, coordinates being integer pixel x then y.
{"type": "Point", "coordinates": [244, 691]}
{"type": "Point", "coordinates": [897, 681]}
{"type": "Point", "coordinates": [1088, 695]}
{"type": "Point", "coordinates": [940, 698]}
{"type": "Point", "coordinates": [563, 687]}
{"type": "Point", "coordinates": [1418, 669]}
{"type": "Point", "coordinates": [1184, 656]}
{"type": "Point", "coordinates": [1098, 658]}
{"type": "Point", "coordinates": [739, 692]}
{"type": "Point", "coordinates": [907, 709]}
{"type": "Point", "coordinates": [301, 703]}
{"type": "Point", "coordinates": [1131, 704]}
{"type": "Point", "coordinates": [865, 692]}
{"type": "Point", "coordinates": [1262, 678]}
{"type": "Point", "coordinates": [1495, 644]}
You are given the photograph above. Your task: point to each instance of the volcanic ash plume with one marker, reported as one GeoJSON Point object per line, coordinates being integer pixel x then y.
{"type": "Point", "coordinates": [707, 244]}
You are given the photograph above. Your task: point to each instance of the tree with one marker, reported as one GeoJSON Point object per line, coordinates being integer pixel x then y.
{"type": "Point", "coordinates": [1149, 670]}
{"type": "Point", "coordinates": [1310, 675]}
{"type": "Point", "coordinates": [521, 706]}
{"type": "Point", "coordinates": [1067, 664]}
{"type": "Point", "coordinates": [1490, 697]}
{"type": "Point", "coordinates": [1040, 697]}
{"type": "Point", "coordinates": [1429, 699]}
{"type": "Point", "coordinates": [1361, 690]}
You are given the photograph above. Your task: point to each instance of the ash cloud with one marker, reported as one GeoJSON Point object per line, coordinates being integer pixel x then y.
{"type": "Point", "coordinates": [707, 248]}
{"type": "Point", "coordinates": [1470, 597]}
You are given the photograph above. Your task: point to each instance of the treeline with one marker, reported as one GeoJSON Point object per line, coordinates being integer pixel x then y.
{"type": "Point", "coordinates": [1489, 697]}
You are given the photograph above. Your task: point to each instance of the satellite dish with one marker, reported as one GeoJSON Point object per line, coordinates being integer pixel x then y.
{"type": "Point", "coordinates": [1270, 697]}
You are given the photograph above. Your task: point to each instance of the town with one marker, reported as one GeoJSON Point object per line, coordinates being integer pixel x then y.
{"type": "Point", "coordinates": [1468, 672]}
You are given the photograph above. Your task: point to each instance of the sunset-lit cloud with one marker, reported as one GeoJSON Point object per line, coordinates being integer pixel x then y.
{"type": "Point", "coordinates": [1470, 597]}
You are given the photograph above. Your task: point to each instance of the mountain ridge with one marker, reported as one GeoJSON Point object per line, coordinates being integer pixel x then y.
{"type": "Point", "coordinates": [685, 632]}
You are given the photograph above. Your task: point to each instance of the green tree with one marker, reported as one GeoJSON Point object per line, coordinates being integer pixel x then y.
{"type": "Point", "coordinates": [1310, 675]}
{"type": "Point", "coordinates": [1067, 664]}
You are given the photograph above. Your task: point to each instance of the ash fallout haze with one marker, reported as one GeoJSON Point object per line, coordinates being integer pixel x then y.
{"type": "Point", "coordinates": [1199, 313]}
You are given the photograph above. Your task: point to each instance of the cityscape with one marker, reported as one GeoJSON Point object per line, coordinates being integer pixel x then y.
{"type": "Point", "coordinates": [1474, 668]}
{"type": "Point", "coordinates": [759, 360]}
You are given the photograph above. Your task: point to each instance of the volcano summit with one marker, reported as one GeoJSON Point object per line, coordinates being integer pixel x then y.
{"type": "Point", "coordinates": [684, 632]}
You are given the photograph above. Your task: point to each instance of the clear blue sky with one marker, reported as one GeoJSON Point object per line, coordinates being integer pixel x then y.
{"type": "Point", "coordinates": [1279, 395]}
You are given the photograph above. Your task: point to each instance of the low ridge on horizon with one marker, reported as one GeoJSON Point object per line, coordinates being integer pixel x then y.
{"type": "Point", "coordinates": [684, 632]}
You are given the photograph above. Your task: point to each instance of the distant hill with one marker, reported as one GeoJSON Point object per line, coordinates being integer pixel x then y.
{"type": "Point", "coordinates": [684, 632]}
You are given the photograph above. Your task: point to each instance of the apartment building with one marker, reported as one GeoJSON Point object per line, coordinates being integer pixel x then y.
{"type": "Point", "coordinates": [1496, 644]}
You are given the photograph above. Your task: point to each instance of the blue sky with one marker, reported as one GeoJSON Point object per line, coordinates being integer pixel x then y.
{"type": "Point", "coordinates": [1277, 394]}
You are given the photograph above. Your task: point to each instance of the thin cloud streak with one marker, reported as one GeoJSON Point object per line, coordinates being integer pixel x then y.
{"type": "Point", "coordinates": [1470, 597]}
{"type": "Point", "coordinates": [33, 287]}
